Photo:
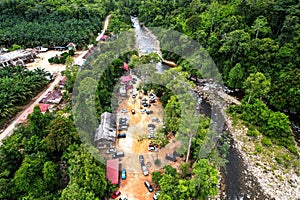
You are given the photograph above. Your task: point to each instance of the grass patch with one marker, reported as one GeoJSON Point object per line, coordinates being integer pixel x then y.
{"type": "Point", "coordinates": [278, 160]}
{"type": "Point", "coordinates": [258, 149]}
{"type": "Point", "coordinates": [266, 141]}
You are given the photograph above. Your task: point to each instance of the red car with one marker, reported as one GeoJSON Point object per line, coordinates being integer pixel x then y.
{"type": "Point", "coordinates": [115, 194]}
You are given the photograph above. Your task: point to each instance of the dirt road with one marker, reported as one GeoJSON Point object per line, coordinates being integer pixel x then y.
{"type": "Point", "coordinates": [42, 62]}
{"type": "Point", "coordinates": [104, 28]}
{"type": "Point", "coordinates": [8, 131]}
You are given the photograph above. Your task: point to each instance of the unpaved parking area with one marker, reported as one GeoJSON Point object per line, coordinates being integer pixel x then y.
{"type": "Point", "coordinates": [134, 186]}
{"type": "Point", "coordinates": [42, 61]}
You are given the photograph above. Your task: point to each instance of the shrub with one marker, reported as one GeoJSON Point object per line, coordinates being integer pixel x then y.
{"type": "Point", "coordinates": [293, 150]}
{"type": "Point", "coordinates": [253, 133]}
{"type": "Point", "coordinates": [157, 162]}
{"type": "Point", "coordinates": [259, 149]}
{"type": "Point", "coordinates": [266, 141]}
{"type": "Point", "coordinates": [278, 160]}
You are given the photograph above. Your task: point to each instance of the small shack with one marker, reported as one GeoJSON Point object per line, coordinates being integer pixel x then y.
{"type": "Point", "coordinates": [125, 79]}
{"type": "Point", "coordinates": [106, 132]}
{"type": "Point", "coordinates": [125, 66]}
{"type": "Point", "coordinates": [71, 46]}
{"type": "Point", "coordinates": [53, 97]}
{"type": "Point", "coordinates": [44, 107]}
{"type": "Point", "coordinates": [112, 171]}
{"type": "Point", "coordinates": [104, 37]}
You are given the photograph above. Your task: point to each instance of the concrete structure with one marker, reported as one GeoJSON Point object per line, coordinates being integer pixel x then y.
{"type": "Point", "coordinates": [106, 132]}
{"type": "Point", "coordinates": [18, 57]}
{"type": "Point", "coordinates": [112, 171]}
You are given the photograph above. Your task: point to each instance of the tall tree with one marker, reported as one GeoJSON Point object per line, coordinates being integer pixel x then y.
{"type": "Point", "coordinates": [261, 26]}
{"type": "Point", "coordinates": [257, 85]}
{"type": "Point", "coordinates": [205, 179]}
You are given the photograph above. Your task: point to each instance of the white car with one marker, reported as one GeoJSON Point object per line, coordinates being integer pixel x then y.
{"type": "Point", "coordinates": [144, 169]}
{"type": "Point", "coordinates": [155, 196]}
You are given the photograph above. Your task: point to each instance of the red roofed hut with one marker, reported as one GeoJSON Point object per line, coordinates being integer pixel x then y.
{"type": "Point", "coordinates": [125, 79]}
{"type": "Point", "coordinates": [125, 66]}
{"type": "Point", "coordinates": [112, 171]}
{"type": "Point", "coordinates": [44, 107]}
{"type": "Point", "coordinates": [104, 37]}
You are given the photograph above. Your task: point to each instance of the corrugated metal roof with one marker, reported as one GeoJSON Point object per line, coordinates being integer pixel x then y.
{"type": "Point", "coordinates": [112, 171]}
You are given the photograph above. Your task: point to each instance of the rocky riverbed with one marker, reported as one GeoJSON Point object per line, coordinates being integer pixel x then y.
{"type": "Point", "coordinates": [276, 181]}
{"type": "Point", "coordinates": [260, 170]}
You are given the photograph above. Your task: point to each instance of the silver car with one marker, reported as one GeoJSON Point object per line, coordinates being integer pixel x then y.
{"type": "Point", "coordinates": [144, 169]}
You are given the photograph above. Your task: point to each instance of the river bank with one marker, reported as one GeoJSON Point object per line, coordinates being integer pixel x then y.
{"type": "Point", "coordinates": [277, 181]}
{"type": "Point", "coordinates": [260, 170]}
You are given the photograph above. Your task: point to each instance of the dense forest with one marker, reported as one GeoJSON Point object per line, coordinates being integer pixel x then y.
{"type": "Point", "coordinates": [44, 159]}
{"type": "Point", "coordinates": [255, 45]}
{"type": "Point", "coordinates": [32, 23]}
{"type": "Point", "coordinates": [243, 38]}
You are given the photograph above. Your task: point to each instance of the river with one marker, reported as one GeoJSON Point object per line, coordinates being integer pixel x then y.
{"type": "Point", "coordinates": [239, 184]}
{"type": "Point", "coordinates": [146, 44]}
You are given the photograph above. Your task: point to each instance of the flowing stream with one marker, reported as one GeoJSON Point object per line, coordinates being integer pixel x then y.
{"type": "Point", "coordinates": [239, 184]}
{"type": "Point", "coordinates": [146, 44]}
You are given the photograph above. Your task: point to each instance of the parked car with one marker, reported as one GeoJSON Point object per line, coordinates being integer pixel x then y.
{"type": "Point", "coordinates": [144, 169]}
{"type": "Point", "coordinates": [111, 150]}
{"type": "Point", "coordinates": [148, 186]}
{"type": "Point", "coordinates": [171, 157]}
{"type": "Point", "coordinates": [122, 120]}
{"type": "Point", "coordinates": [152, 147]}
{"type": "Point", "coordinates": [123, 124]}
{"type": "Point", "coordinates": [122, 128]}
{"type": "Point", "coordinates": [115, 194]}
{"type": "Point", "coordinates": [141, 158]}
{"type": "Point", "coordinates": [155, 119]}
{"type": "Point", "coordinates": [151, 135]}
{"type": "Point", "coordinates": [176, 154]}
{"type": "Point", "coordinates": [149, 112]}
{"type": "Point", "coordinates": [151, 125]}
{"type": "Point", "coordinates": [122, 135]}
{"type": "Point", "coordinates": [132, 111]}
{"type": "Point", "coordinates": [124, 110]}
{"type": "Point", "coordinates": [145, 104]}
{"type": "Point", "coordinates": [124, 197]}
{"type": "Point", "coordinates": [150, 129]}
{"type": "Point", "coordinates": [151, 94]}
{"type": "Point", "coordinates": [123, 176]}
{"type": "Point", "coordinates": [151, 100]}
{"type": "Point", "coordinates": [155, 196]}
{"type": "Point", "coordinates": [118, 154]}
